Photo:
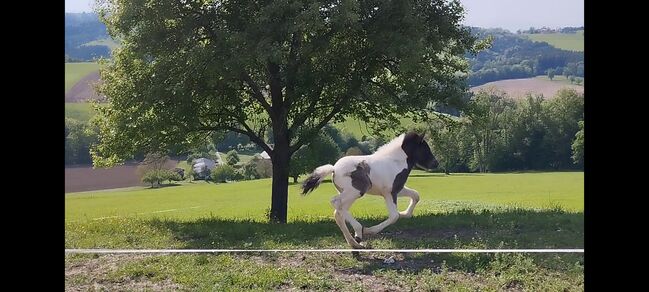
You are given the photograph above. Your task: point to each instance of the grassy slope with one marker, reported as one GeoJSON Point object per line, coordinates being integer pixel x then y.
{"type": "Point", "coordinates": [572, 42]}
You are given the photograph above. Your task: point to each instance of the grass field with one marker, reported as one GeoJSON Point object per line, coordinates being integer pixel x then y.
{"type": "Point", "coordinates": [566, 41]}
{"type": "Point", "coordinates": [75, 71]}
{"type": "Point", "coordinates": [528, 190]}
{"type": "Point", "coordinates": [512, 210]}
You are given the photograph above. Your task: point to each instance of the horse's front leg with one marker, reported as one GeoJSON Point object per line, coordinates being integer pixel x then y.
{"type": "Point", "coordinates": [393, 217]}
{"type": "Point", "coordinates": [341, 204]}
{"type": "Point", "coordinates": [414, 199]}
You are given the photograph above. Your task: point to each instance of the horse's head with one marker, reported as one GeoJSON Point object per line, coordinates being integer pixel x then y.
{"type": "Point", "coordinates": [418, 151]}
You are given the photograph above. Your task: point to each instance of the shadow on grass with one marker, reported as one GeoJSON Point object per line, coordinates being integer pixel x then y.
{"type": "Point", "coordinates": [463, 229]}
{"type": "Point", "coordinates": [517, 228]}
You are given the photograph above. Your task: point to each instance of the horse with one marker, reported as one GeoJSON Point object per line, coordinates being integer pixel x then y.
{"type": "Point", "coordinates": [383, 173]}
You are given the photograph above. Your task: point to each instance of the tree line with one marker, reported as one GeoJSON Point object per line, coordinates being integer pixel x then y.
{"type": "Point", "coordinates": [498, 133]}
{"type": "Point", "coordinates": [493, 133]}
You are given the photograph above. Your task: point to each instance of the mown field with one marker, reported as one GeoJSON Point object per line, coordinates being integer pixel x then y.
{"type": "Point", "coordinates": [566, 41]}
{"type": "Point", "coordinates": [509, 210]}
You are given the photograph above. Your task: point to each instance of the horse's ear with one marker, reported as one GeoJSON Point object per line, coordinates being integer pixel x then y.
{"type": "Point", "coordinates": [421, 138]}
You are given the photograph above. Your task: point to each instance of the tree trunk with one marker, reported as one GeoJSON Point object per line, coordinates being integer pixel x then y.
{"type": "Point", "coordinates": [280, 159]}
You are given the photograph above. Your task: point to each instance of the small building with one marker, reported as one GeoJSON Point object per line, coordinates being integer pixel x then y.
{"type": "Point", "coordinates": [202, 167]}
{"type": "Point", "coordinates": [264, 155]}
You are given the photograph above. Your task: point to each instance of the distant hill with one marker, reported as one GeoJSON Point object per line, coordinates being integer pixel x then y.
{"type": "Point", "coordinates": [513, 56]}
{"type": "Point", "coordinates": [85, 37]}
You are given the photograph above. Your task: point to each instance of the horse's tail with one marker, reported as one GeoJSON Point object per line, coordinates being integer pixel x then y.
{"type": "Point", "coordinates": [314, 180]}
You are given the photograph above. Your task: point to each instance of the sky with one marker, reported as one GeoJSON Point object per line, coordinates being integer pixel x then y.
{"type": "Point", "coordinates": [508, 14]}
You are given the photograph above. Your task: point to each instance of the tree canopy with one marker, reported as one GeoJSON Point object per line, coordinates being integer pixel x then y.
{"type": "Point", "coordinates": [189, 68]}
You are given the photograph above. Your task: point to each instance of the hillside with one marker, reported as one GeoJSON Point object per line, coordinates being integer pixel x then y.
{"type": "Point", "coordinates": [81, 30]}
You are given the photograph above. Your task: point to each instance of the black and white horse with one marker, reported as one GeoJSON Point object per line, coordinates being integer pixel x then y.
{"type": "Point", "coordinates": [383, 173]}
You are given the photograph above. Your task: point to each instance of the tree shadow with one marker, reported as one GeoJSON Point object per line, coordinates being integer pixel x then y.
{"type": "Point", "coordinates": [514, 228]}
{"type": "Point", "coordinates": [162, 186]}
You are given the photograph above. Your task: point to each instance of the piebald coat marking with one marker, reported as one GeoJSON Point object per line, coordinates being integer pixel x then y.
{"type": "Point", "coordinates": [383, 173]}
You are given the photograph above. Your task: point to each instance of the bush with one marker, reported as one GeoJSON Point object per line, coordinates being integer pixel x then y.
{"type": "Point", "coordinates": [353, 151]}
{"type": "Point", "coordinates": [155, 177]}
{"type": "Point", "coordinates": [173, 176]}
{"type": "Point", "coordinates": [232, 157]}
{"type": "Point", "coordinates": [249, 171]}
{"type": "Point", "coordinates": [257, 168]}
{"type": "Point", "coordinates": [191, 174]}
{"type": "Point", "coordinates": [224, 173]}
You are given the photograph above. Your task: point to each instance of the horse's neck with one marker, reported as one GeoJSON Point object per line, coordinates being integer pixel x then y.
{"type": "Point", "coordinates": [396, 154]}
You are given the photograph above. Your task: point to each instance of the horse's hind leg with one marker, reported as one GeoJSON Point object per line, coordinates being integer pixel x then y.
{"type": "Point", "coordinates": [414, 199]}
{"type": "Point", "coordinates": [393, 217]}
{"type": "Point", "coordinates": [341, 204]}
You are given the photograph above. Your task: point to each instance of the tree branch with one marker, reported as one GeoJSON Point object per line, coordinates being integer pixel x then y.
{"type": "Point", "coordinates": [291, 71]}
{"type": "Point", "coordinates": [256, 92]}
{"type": "Point", "coordinates": [247, 131]}
{"type": "Point", "coordinates": [310, 110]}
{"type": "Point", "coordinates": [336, 108]}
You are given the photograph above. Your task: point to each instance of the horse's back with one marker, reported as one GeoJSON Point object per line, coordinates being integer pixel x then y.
{"type": "Point", "coordinates": [381, 172]}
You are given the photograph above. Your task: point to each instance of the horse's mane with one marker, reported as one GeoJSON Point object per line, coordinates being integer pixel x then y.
{"type": "Point", "coordinates": [395, 144]}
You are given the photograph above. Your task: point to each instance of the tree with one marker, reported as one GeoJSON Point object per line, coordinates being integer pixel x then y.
{"type": "Point", "coordinates": [232, 157]}
{"type": "Point", "coordinates": [449, 142]}
{"type": "Point", "coordinates": [79, 137]}
{"type": "Point", "coordinates": [288, 67]}
{"type": "Point", "coordinates": [152, 162]}
{"type": "Point", "coordinates": [486, 130]}
{"type": "Point", "coordinates": [322, 150]}
{"type": "Point", "coordinates": [156, 176]}
{"type": "Point", "coordinates": [578, 145]}
{"type": "Point", "coordinates": [561, 119]}
{"type": "Point", "coordinates": [551, 73]}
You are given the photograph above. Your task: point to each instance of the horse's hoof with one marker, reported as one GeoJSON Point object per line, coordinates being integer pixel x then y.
{"type": "Point", "coordinates": [357, 246]}
{"type": "Point", "coordinates": [358, 239]}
